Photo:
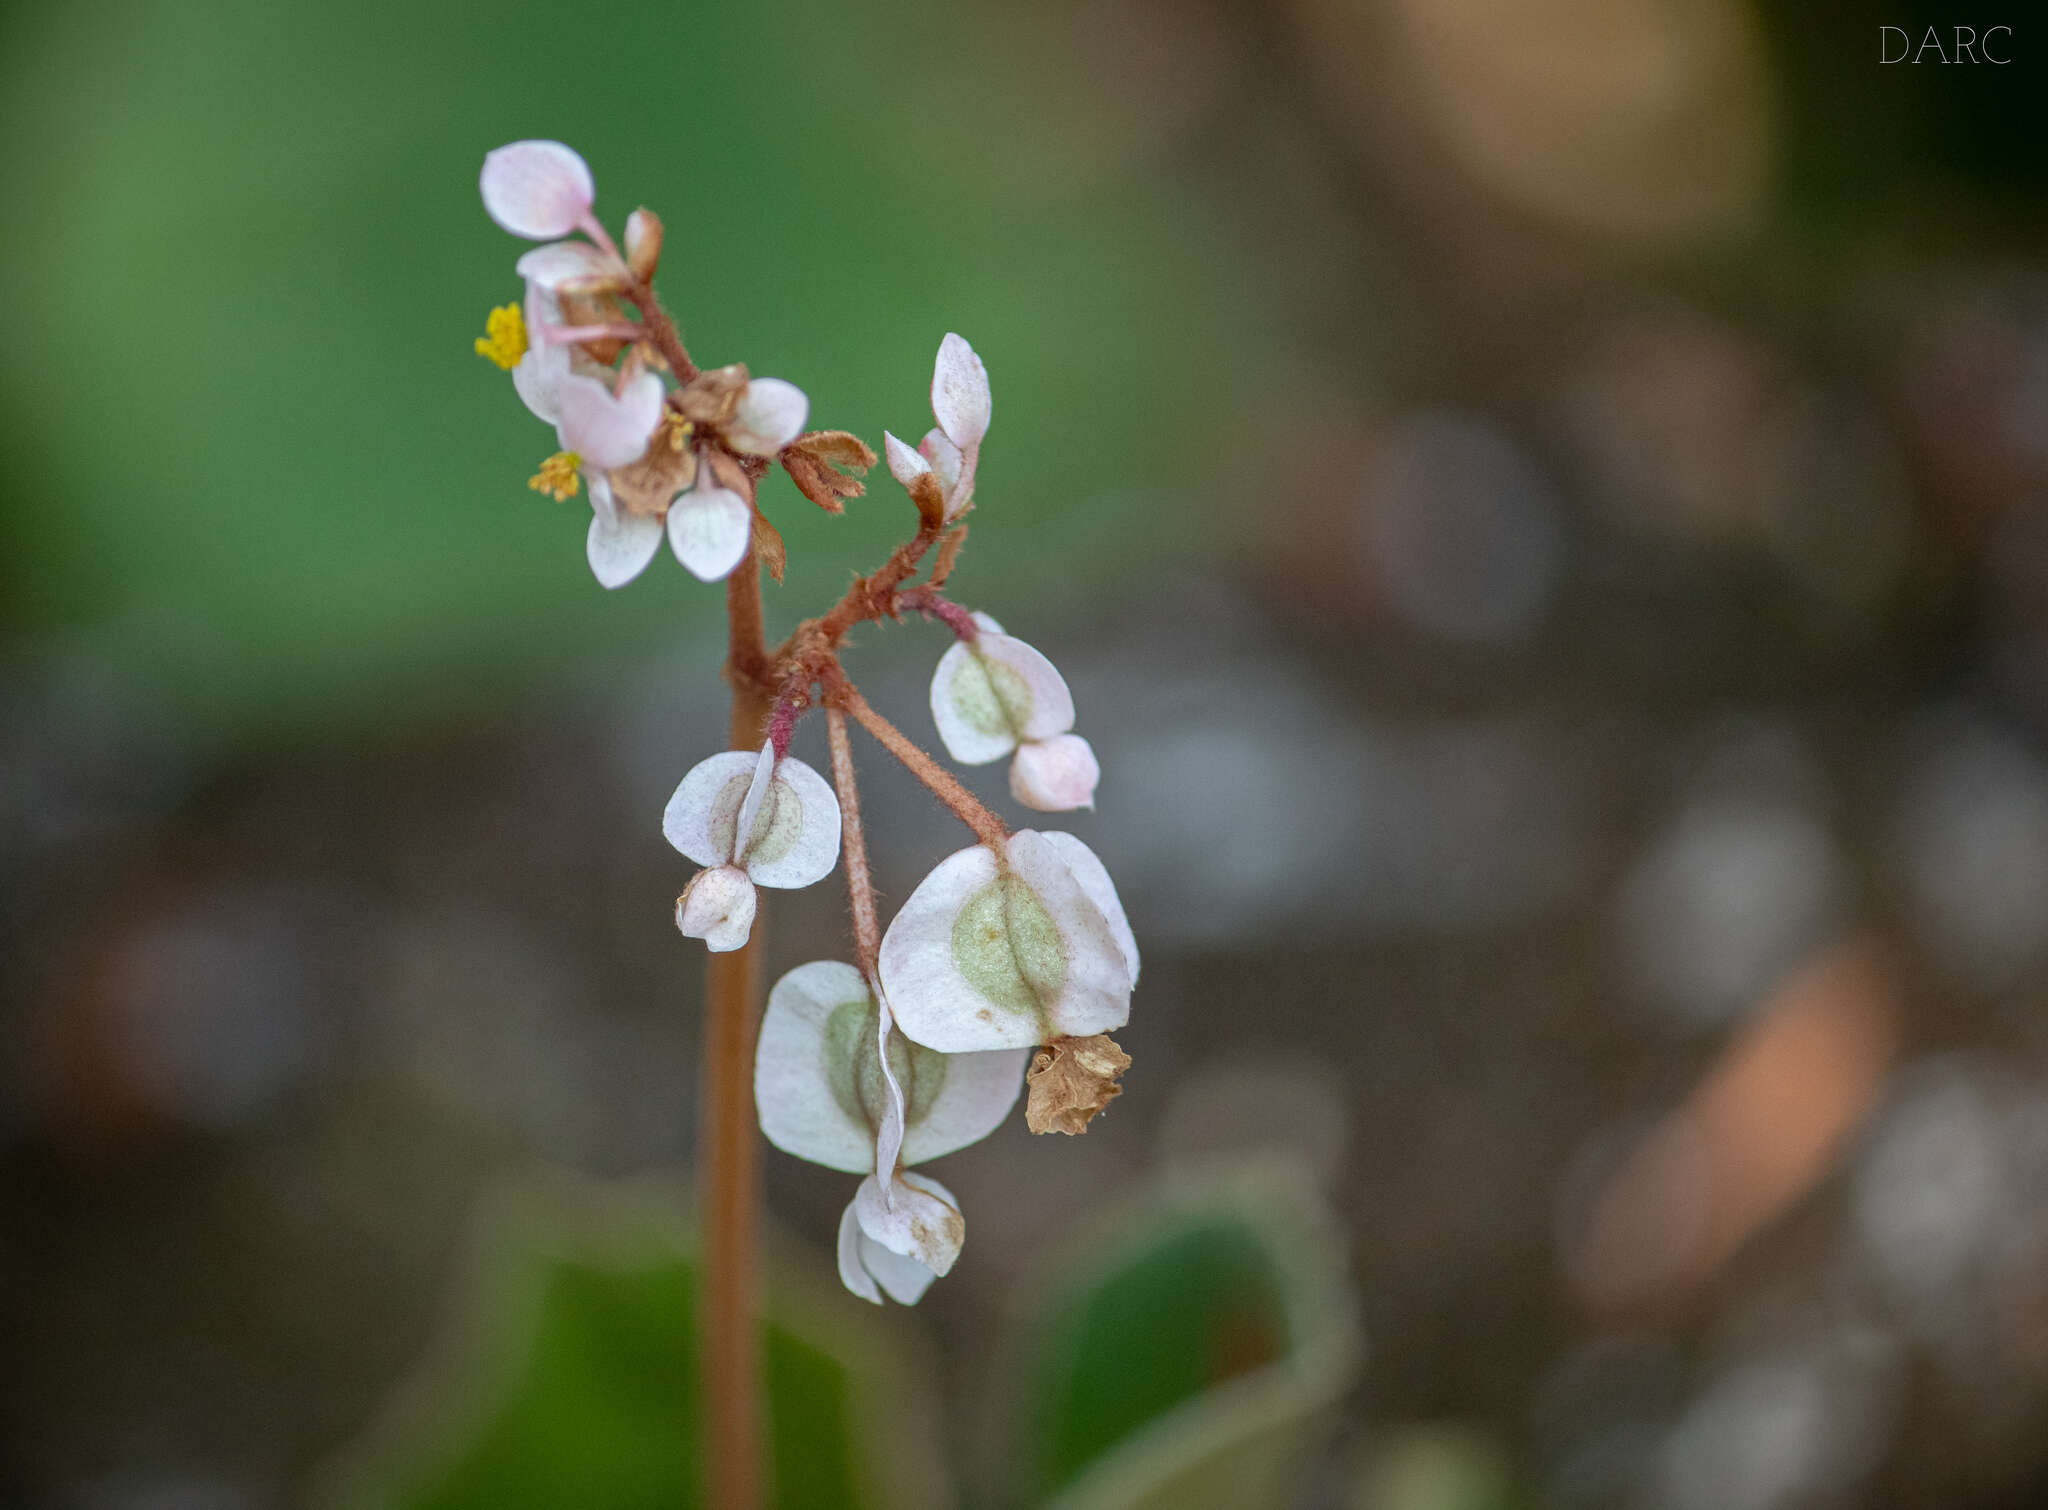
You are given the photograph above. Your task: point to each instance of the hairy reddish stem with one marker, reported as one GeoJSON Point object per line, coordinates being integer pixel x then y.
{"type": "Point", "coordinates": [928, 601]}
{"type": "Point", "coordinates": [860, 885]}
{"type": "Point", "coordinates": [656, 325]}
{"type": "Point", "coordinates": [988, 828]}
{"type": "Point", "coordinates": [730, 1386]}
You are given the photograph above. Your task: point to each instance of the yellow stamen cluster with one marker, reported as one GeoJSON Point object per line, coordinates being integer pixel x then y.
{"type": "Point", "coordinates": [504, 337]}
{"type": "Point", "coordinates": [558, 476]}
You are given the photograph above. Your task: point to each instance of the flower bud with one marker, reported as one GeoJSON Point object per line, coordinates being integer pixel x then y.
{"type": "Point", "coordinates": [643, 243]}
{"type": "Point", "coordinates": [865, 1264]}
{"type": "Point", "coordinates": [912, 1215]}
{"type": "Point", "coordinates": [717, 907]}
{"type": "Point", "coordinates": [1055, 775]}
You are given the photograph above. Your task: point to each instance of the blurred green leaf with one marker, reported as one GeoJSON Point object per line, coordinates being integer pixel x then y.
{"type": "Point", "coordinates": [570, 1378]}
{"type": "Point", "coordinates": [254, 459]}
{"type": "Point", "coordinates": [1437, 1467]}
{"type": "Point", "coordinates": [1183, 1358]}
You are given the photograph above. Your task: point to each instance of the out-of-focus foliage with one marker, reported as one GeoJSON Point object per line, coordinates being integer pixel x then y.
{"type": "Point", "coordinates": [570, 1378]}
{"type": "Point", "coordinates": [1185, 1358]}
{"type": "Point", "coordinates": [252, 452]}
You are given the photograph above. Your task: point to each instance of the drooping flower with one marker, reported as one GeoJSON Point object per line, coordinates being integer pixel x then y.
{"type": "Point", "coordinates": [835, 1084]}
{"type": "Point", "coordinates": [1011, 948]}
{"type": "Point", "coordinates": [992, 695]}
{"type": "Point", "coordinates": [709, 528]}
{"type": "Point", "coordinates": [952, 451]}
{"type": "Point", "coordinates": [752, 820]}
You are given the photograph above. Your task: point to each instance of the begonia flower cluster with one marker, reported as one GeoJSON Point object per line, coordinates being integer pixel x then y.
{"type": "Point", "coordinates": [1015, 944]}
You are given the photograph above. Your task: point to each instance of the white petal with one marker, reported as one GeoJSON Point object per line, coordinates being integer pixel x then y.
{"type": "Point", "coordinates": [1055, 775]}
{"type": "Point", "coordinates": [560, 262]}
{"type": "Point", "coordinates": [771, 414]}
{"type": "Point", "coordinates": [619, 546]}
{"type": "Point", "coordinates": [750, 805]}
{"type": "Point", "coordinates": [605, 430]}
{"type": "Point", "coordinates": [1095, 881]}
{"type": "Point", "coordinates": [852, 1272]}
{"type": "Point", "coordinates": [901, 1276]}
{"type": "Point", "coordinates": [538, 377]}
{"type": "Point", "coordinates": [982, 958]}
{"type": "Point", "coordinates": [905, 465]}
{"type": "Point", "coordinates": [536, 189]}
{"type": "Point", "coordinates": [702, 815]}
{"type": "Point", "coordinates": [974, 1097]}
{"type": "Point", "coordinates": [988, 695]}
{"type": "Point", "coordinates": [960, 399]}
{"type": "Point", "coordinates": [709, 529]}
{"type": "Point", "coordinates": [794, 839]}
{"type": "Point", "coordinates": [718, 907]}
{"type": "Point", "coordinates": [805, 1081]}
{"type": "Point", "coordinates": [890, 1130]}
{"type": "Point", "coordinates": [915, 1216]}
{"type": "Point", "coordinates": [944, 457]}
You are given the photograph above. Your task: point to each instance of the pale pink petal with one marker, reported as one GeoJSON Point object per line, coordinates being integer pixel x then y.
{"type": "Point", "coordinates": [960, 398]}
{"type": "Point", "coordinates": [718, 907]}
{"type": "Point", "coordinates": [703, 813]}
{"type": "Point", "coordinates": [989, 695]}
{"type": "Point", "coordinates": [1056, 775]}
{"type": "Point", "coordinates": [562, 262]}
{"type": "Point", "coordinates": [619, 546]}
{"type": "Point", "coordinates": [852, 1272]}
{"type": "Point", "coordinates": [988, 955]}
{"type": "Point", "coordinates": [771, 414]}
{"type": "Point", "coordinates": [944, 457]}
{"type": "Point", "coordinates": [809, 1102]}
{"type": "Point", "coordinates": [538, 378]}
{"type": "Point", "coordinates": [537, 189]}
{"type": "Point", "coordinates": [605, 430]}
{"type": "Point", "coordinates": [915, 1216]}
{"type": "Point", "coordinates": [793, 839]}
{"type": "Point", "coordinates": [709, 529]}
{"type": "Point", "coordinates": [905, 464]}
{"type": "Point", "coordinates": [1095, 881]}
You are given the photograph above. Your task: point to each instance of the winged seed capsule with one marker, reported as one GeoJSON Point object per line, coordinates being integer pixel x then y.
{"type": "Point", "coordinates": [754, 820]}
{"type": "Point", "coordinates": [835, 1085]}
{"type": "Point", "coordinates": [993, 695]}
{"type": "Point", "coordinates": [1009, 950]}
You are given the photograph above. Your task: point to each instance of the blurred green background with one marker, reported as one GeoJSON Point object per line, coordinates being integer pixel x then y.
{"type": "Point", "coordinates": [1544, 508]}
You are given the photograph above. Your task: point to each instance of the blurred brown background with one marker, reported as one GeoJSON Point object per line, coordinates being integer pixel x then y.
{"type": "Point", "coordinates": [1544, 508]}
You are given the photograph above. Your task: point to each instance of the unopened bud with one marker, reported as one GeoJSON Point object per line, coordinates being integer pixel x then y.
{"type": "Point", "coordinates": [643, 243]}
{"type": "Point", "coordinates": [717, 907]}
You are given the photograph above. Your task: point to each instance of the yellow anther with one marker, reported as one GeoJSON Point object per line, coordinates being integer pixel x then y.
{"type": "Point", "coordinates": [558, 476]}
{"type": "Point", "coordinates": [504, 337]}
